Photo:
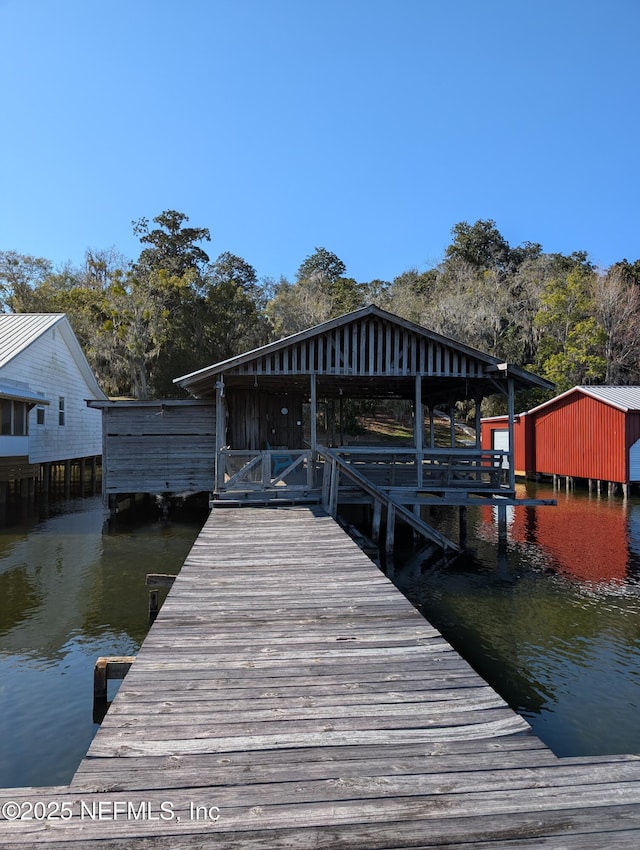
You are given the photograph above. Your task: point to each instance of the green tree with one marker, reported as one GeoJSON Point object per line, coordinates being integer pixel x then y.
{"type": "Point", "coordinates": [571, 344]}
{"type": "Point", "coordinates": [156, 300]}
{"type": "Point", "coordinates": [323, 264]}
{"type": "Point", "coordinates": [480, 246]}
{"type": "Point", "coordinates": [173, 248]}
{"type": "Point", "coordinates": [20, 276]}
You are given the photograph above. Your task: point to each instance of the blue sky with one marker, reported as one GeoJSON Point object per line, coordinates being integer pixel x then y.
{"type": "Point", "coordinates": [369, 127]}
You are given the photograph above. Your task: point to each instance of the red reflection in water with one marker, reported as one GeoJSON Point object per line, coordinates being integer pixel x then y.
{"type": "Point", "coordinates": [586, 537]}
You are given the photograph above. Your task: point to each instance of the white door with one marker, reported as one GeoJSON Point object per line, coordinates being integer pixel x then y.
{"type": "Point", "coordinates": [500, 440]}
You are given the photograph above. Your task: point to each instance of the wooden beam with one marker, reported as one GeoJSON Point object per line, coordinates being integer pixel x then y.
{"type": "Point", "coordinates": [313, 398]}
{"type": "Point", "coordinates": [418, 429]}
{"type": "Point", "coordinates": [511, 408]}
{"type": "Point", "coordinates": [109, 667]}
{"type": "Point", "coordinates": [220, 431]}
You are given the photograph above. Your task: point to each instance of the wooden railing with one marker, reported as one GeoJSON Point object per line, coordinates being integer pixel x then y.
{"type": "Point", "coordinates": [478, 469]}
{"type": "Point", "coordinates": [336, 467]}
{"type": "Point", "coordinates": [431, 469]}
{"type": "Point", "coordinates": [252, 470]}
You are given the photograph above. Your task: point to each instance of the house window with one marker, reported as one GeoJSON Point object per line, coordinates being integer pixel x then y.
{"type": "Point", "coordinates": [6, 417]}
{"type": "Point", "coordinates": [61, 411]}
{"type": "Point", "coordinates": [13, 418]}
{"type": "Point", "coordinates": [39, 415]}
{"type": "Point", "coordinates": [19, 418]}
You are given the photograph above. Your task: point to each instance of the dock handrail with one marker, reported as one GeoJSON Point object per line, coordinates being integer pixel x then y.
{"type": "Point", "coordinates": [335, 466]}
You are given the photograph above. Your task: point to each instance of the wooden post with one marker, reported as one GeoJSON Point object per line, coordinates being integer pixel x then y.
{"type": "Point", "coordinates": [313, 391]}
{"type": "Point", "coordinates": [418, 430]}
{"type": "Point", "coordinates": [511, 405]}
{"type": "Point", "coordinates": [326, 482]}
{"type": "Point", "coordinates": [83, 466]}
{"type": "Point", "coordinates": [333, 489]}
{"type": "Point", "coordinates": [220, 432]}
{"type": "Point", "coordinates": [452, 425]}
{"type": "Point", "coordinates": [432, 429]}
{"type": "Point", "coordinates": [46, 479]}
{"type": "Point", "coordinates": [376, 521]}
{"type": "Point", "coordinates": [67, 479]}
{"type": "Point", "coordinates": [390, 535]}
{"type": "Point", "coordinates": [154, 581]}
{"type": "Point", "coordinates": [478, 419]}
{"type": "Point", "coordinates": [109, 667]}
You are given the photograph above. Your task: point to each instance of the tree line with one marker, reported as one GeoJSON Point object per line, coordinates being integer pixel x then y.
{"type": "Point", "coordinates": [172, 310]}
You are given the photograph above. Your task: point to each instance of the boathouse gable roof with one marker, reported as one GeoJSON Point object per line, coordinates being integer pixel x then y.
{"type": "Point", "coordinates": [623, 398]}
{"type": "Point", "coordinates": [367, 351]}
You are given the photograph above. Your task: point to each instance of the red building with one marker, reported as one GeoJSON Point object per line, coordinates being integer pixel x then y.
{"type": "Point", "coordinates": [590, 433]}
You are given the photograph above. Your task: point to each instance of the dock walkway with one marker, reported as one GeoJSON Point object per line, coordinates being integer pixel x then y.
{"type": "Point", "coordinates": [288, 696]}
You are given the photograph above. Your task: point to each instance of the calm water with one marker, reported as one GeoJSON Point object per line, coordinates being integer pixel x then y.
{"type": "Point", "coordinates": [68, 594]}
{"type": "Point", "coordinates": [555, 629]}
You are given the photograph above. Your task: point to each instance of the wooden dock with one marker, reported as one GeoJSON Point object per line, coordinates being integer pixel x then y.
{"type": "Point", "coordinates": [288, 696]}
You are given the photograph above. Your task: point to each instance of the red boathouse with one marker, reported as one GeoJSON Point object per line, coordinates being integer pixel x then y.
{"type": "Point", "coordinates": [590, 433]}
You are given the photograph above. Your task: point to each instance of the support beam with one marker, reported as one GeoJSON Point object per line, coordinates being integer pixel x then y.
{"type": "Point", "coordinates": [313, 397]}
{"type": "Point", "coordinates": [418, 429]}
{"type": "Point", "coordinates": [478, 421]}
{"type": "Point", "coordinates": [511, 409]}
{"type": "Point", "coordinates": [390, 535]}
{"type": "Point", "coordinates": [220, 434]}
{"type": "Point", "coordinates": [376, 521]}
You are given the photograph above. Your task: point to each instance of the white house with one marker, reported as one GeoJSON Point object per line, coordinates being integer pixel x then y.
{"type": "Point", "coordinates": [45, 383]}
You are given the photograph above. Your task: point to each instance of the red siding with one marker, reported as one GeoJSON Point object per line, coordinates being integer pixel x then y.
{"type": "Point", "coordinates": [581, 437]}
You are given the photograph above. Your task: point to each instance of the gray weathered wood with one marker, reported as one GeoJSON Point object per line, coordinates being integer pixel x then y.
{"type": "Point", "coordinates": [287, 683]}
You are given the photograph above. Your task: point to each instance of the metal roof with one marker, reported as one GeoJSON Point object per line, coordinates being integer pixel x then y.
{"type": "Point", "coordinates": [624, 398]}
{"type": "Point", "coordinates": [19, 330]}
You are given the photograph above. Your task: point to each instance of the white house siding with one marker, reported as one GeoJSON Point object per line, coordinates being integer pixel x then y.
{"type": "Point", "coordinates": [48, 367]}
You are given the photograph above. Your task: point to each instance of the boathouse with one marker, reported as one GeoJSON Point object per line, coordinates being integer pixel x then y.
{"type": "Point", "coordinates": [587, 433]}
{"type": "Point", "coordinates": [273, 405]}
{"type": "Point", "coordinates": [162, 448]}
{"type": "Point", "coordinates": [45, 383]}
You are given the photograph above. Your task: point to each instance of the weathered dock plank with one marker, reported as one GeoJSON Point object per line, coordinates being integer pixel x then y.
{"type": "Point", "coordinates": [288, 696]}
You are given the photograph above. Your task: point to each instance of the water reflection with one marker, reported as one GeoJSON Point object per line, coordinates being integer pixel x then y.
{"type": "Point", "coordinates": [593, 539]}
{"type": "Point", "coordinates": [69, 592]}
{"type": "Point", "coordinates": [557, 630]}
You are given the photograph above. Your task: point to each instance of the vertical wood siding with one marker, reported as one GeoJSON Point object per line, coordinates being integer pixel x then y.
{"type": "Point", "coordinates": [365, 348]}
{"type": "Point", "coordinates": [581, 437]}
